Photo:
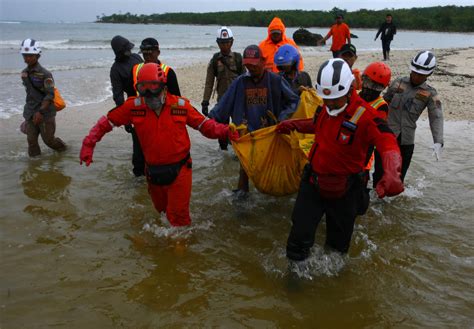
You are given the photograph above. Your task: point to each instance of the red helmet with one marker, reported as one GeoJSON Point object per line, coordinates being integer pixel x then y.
{"type": "Point", "coordinates": [151, 79]}
{"type": "Point", "coordinates": [378, 72]}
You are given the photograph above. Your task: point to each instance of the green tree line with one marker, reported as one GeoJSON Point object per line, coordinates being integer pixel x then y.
{"type": "Point", "coordinates": [440, 18]}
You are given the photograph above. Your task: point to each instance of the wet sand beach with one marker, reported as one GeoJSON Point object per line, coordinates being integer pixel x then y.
{"type": "Point", "coordinates": [84, 248]}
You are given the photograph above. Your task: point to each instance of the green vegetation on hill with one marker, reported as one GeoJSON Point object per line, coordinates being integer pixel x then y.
{"type": "Point", "coordinates": [446, 18]}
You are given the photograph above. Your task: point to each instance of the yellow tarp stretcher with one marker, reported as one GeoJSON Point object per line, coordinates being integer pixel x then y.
{"type": "Point", "coordinates": [274, 162]}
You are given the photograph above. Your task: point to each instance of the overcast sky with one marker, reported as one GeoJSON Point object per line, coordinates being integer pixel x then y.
{"type": "Point", "coordinates": [87, 10]}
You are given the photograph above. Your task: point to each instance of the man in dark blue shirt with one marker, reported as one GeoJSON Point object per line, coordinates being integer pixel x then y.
{"type": "Point", "coordinates": [256, 98]}
{"type": "Point", "coordinates": [387, 31]}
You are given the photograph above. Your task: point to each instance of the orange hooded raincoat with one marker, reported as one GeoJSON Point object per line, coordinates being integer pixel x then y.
{"type": "Point", "coordinates": [269, 48]}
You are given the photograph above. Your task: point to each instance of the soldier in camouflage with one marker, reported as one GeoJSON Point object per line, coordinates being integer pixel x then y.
{"type": "Point", "coordinates": [39, 111]}
{"type": "Point", "coordinates": [223, 68]}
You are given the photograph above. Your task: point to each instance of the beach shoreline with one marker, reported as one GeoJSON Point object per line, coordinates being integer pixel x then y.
{"type": "Point", "coordinates": [452, 79]}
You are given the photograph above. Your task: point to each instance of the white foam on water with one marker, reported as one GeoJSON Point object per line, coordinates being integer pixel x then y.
{"type": "Point", "coordinates": [164, 228]}
{"type": "Point", "coordinates": [416, 190]}
{"type": "Point", "coordinates": [319, 263]}
{"type": "Point", "coordinates": [369, 247]}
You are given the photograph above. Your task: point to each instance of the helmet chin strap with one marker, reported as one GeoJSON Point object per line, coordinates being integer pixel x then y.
{"type": "Point", "coordinates": [335, 112]}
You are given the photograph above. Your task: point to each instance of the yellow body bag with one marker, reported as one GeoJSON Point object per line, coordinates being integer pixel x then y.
{"type": "Point", "coordinates": [273, 161]}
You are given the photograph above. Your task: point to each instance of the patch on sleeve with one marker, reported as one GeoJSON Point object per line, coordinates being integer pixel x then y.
{"type": "Point", "coordinates": [138, 113]}
{"type": "Point", "coordinates": [49, 83]}
{"type": "Point", "coordinates": [181, 102]}
{"type": "Point", "coordinates": [137, 101]}
{"type": "Point", "coordinates": [423, 95]}
{"type": "Point", "coordinates": [401, 87]}
{"type": "Point", "coordinates": [437, 101]}
{"type": "Point", "coordinates": [382, 126]}
{"type": "Point", "coordinates": [179, 111]}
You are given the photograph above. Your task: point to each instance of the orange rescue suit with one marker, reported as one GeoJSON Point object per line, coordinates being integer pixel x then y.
{"type": "Point", "coordinates": [269, 48]}
{"type": "Point", "coordinates": [165, 140]}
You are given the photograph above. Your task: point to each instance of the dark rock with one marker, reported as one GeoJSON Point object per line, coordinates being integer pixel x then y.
{"type": "Point", "coordinates": [353, 36]}
{"type": "Point", "coordinates": [303, 37]}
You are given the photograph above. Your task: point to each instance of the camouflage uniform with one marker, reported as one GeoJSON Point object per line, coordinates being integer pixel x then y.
{"type": "Point", "coordinates": [39, 85]}
{"type": "Point", "coordinates": [227, 70]}
{"type": "Point", "coordinates": [224, 69]}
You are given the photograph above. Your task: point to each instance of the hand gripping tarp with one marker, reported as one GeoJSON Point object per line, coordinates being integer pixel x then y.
{"type": "Point", "coordinates": [274, 162]}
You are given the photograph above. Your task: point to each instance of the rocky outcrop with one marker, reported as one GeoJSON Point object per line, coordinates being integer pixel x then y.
{"type": "Point", "coordinates": [303, 37]}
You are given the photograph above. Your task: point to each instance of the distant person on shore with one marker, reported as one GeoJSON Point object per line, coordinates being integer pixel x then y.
{"type": "Point", "coordinates": [348, 53]}
{"type": "Point", "coordinates": [340, 34]}
{"type": "Point", "coordinates": [160, 121]}
{"type": "Point", "coordinates": [407, 97]}
{"type": "Point", "coordinates": [287, 60]}
{"type": "Point", "coordinates": [121, 78]}
{"type": "Point", "coordinates": [223, 68]}
{"type": "Point", "coordinates": [150, 50]}
{"type": "Point", "coordinates": [39, 111]}
{"type": "Point", "coordinates": [386, 31]}
{"type": "Point", "coordinates": [275, 39]}
{"type": "Point", "coordinates": [256, 99]}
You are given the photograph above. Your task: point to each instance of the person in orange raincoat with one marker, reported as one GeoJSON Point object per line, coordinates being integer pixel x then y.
{"type": "Point", "coordinates": [275, 39]}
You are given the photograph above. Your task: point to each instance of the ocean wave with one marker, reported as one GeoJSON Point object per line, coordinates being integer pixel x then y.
{"type": "Point", "coordinates": [74, 44]}
{"type": "Point", "coordinates": [56, 68]}
{"type": "Point", "coordinates": [9, 22]}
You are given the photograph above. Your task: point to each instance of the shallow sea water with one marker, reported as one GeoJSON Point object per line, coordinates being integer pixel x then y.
{"type": "Point", "coordinates": [84, 248]}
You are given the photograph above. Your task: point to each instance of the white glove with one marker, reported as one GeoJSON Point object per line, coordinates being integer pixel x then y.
{"type": "Point", "coordinates": [437, 148]}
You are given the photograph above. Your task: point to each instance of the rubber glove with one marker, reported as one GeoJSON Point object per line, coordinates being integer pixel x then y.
{"type": "Point", "coordinates": [305, 126]}
{"type": "Point", "coordinates": [233, 133]}
{"type": "Point", "coordinates": [437, 150]}
{"type": "Point", "coordinates": [205, 108]}
{"type": "Point", "coordinates": [37, 118]}
{"type": "Point", "coordinates": [102, 127]}
{"type": "Point", "coordinates": [391, 183]}
{"type": "Point", "coordinates": [215, 130]}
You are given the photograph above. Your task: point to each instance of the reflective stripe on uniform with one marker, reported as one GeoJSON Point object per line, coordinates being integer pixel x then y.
{"type": "Point", "coordinates": [200, 125]}
{"type": "Point", "coordinates": [377, 103]}
{"type": "Point", "coordinates": [357, 114]}
{"type": "Point", "coordinates": [165, 68]}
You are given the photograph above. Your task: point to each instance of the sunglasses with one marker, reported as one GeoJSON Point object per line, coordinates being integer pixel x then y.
{"type": "Point", "coordinates": [152, 88]}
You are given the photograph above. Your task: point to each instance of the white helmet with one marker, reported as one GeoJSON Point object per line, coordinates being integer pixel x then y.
{"type": "Point", "coordinates": [334, 79]}
{"type": "Point", "coordinates": [224, 34]}
{"type": "Point", "coordinates": [423, 63]}
{"type": "Point", "coordinates": [30, 46]}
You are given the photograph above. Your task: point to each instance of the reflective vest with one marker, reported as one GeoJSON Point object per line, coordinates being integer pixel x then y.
{"type": "Point", "coordinates": [137, 69]}
{"type": "Point", "coordinates": [376, 104]}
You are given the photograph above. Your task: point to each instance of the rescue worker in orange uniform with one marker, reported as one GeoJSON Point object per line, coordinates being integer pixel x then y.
{"type": "Point", "coordinates": [333, 181]}
{"type": "Point", "coordinates": [160, 120]}
{"type": "Point", "coordinates": [275, 39]}
{"type": "Point", "coordinates": [375, 79]}
{"type": "Point", "coordinates": [340, 34]}
{"type": "Point", "coordinates": [150, 50]}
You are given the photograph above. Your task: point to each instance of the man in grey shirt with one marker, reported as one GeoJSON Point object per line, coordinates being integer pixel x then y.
{"type": "Point", "coordinates": [407, 98]}
{"type": "Point", "coordinates": [39, 111]}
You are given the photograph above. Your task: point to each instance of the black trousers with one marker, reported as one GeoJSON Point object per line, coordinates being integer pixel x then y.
{"type": "Point", "coordinates": [340, 218]}
{"type": "Point", "coordinates": [406, 152]}
{"type": "Point", "coordinates": [138, 159]}
{"type": "Point", "coordinates": [385, 47]}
